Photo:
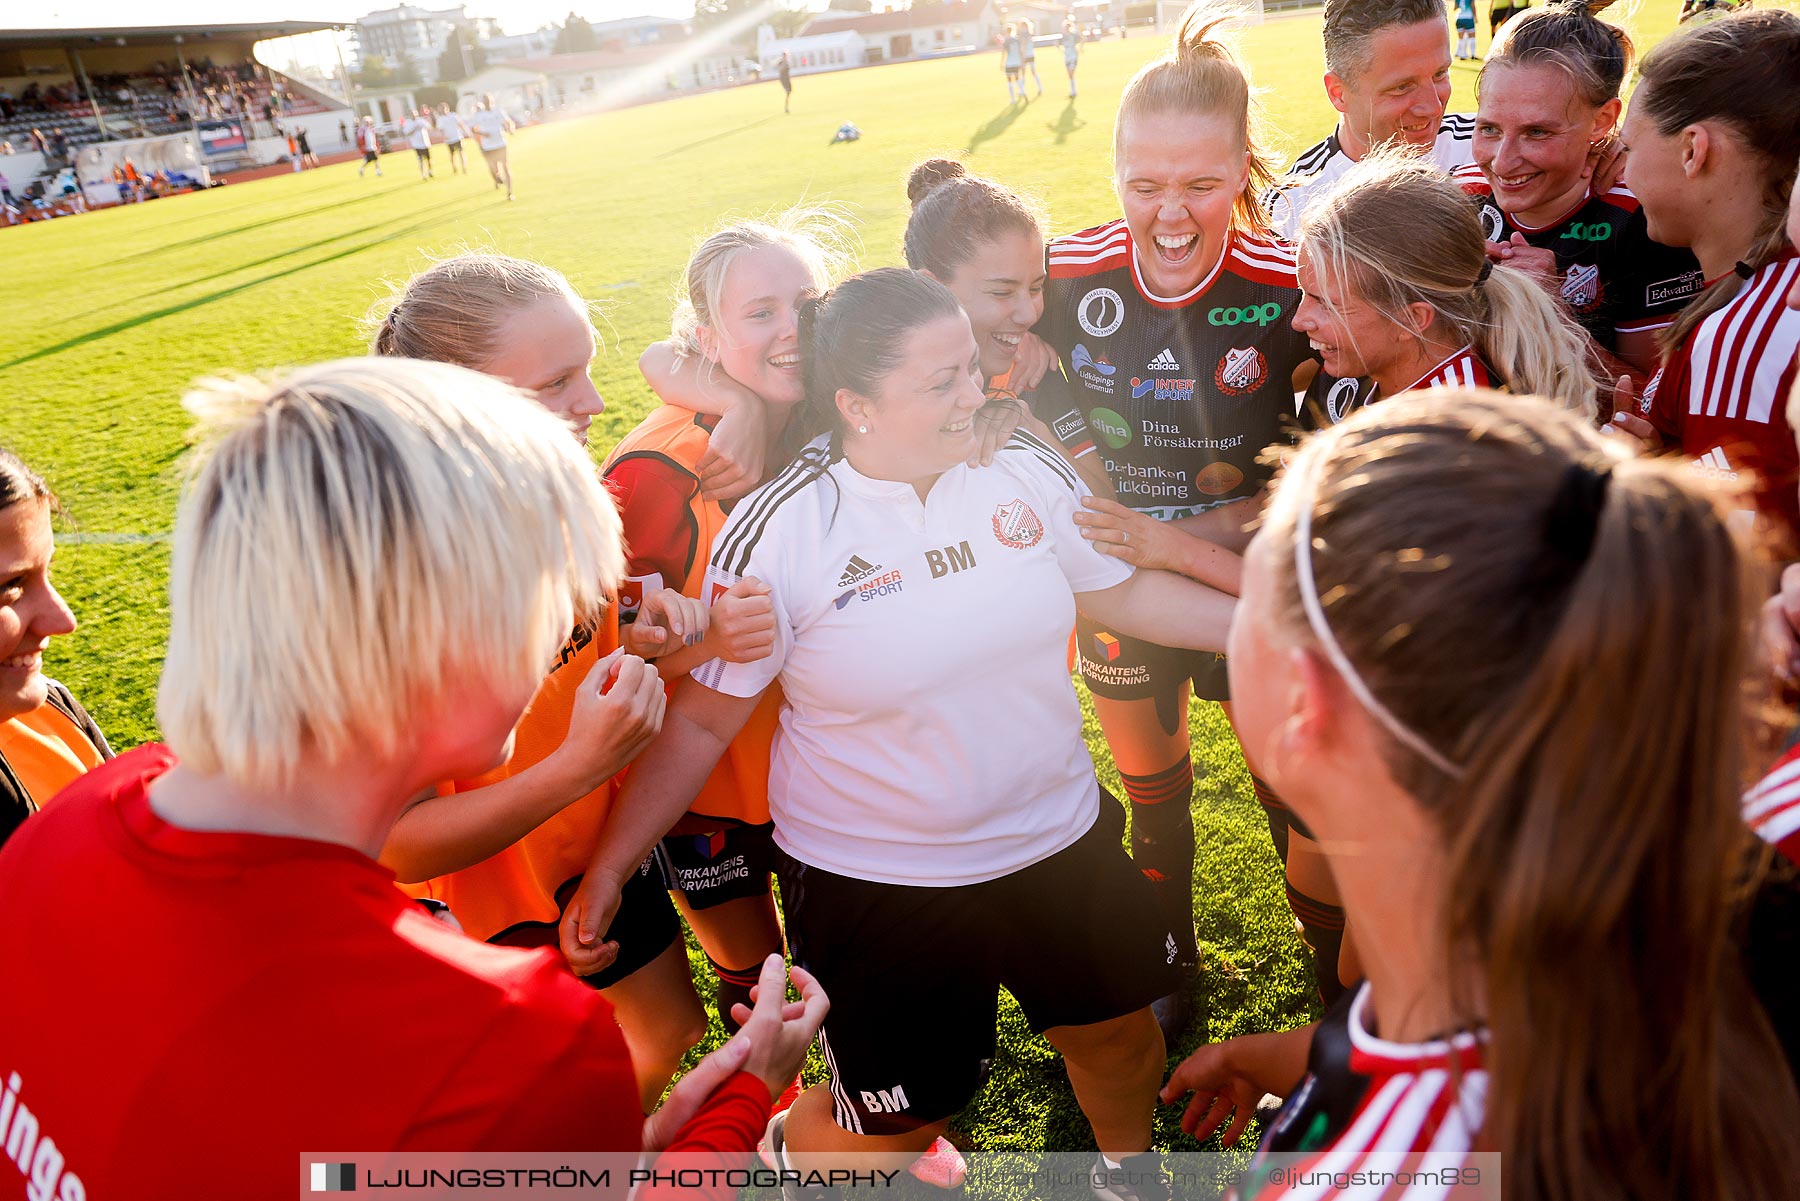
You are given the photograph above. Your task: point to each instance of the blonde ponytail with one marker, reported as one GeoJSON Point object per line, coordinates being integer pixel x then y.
{"type": "Point", "coordinates": [1532, 341]}
{"type": "Point", "coordinates": [1199, 75]}
{"type": "Point", "coordinates": [1396, 231]}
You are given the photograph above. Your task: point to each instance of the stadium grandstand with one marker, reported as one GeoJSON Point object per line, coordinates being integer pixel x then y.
{"type": "Point", "coordinates": [85, 98]}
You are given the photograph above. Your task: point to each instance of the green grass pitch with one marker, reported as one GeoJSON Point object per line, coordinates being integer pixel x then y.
{"type": "Point", "coordinates": [105, 319]}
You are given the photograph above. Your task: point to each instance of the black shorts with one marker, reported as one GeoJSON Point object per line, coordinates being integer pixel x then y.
{"type": "Point", "coordinates": [914, 974]}
{"type": "Point", "coordinates": [715, 866]}
{"type": "Point", "coordinates": [1124, 668]}
{"type": "Point", "coordinates": [371, 156]}
{"type": "Point", "coordinates": [424, 153]}
{"type": "Point", "coordinates": [644, 926]}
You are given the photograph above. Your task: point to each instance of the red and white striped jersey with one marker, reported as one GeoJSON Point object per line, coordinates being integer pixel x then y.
{"type": "Point", "coordinates": [1722, 394]}
{"type": "Point", "coordinates": [1329, 400]}
{"type": "Point", "coordinates": [1772, 808]}
{"type": "Point", "coordinates": [1425, 1101]}
{"type": "Point", "coordinates": [1463, 369]}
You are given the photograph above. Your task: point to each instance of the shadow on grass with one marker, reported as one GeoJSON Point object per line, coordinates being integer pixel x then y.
{"type": "Point", "coordinates": [224, 293]}
{"type": "Point", "coordinates": [996, 126]}
{"type": "Point", "coordinates": [713, 137]}
{"type": "Point", "coordinates": [263, 224]}
{"type": "Point", "coordinates": [1066, 123]}
{"type": "Point", "coordinates": [288, 253]}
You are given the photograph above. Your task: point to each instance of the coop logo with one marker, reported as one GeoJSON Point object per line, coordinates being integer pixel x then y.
{"type": "Point", "coordinates": [333, 1177]}
{"type": "Point", "coordinates": [1162, 389]}
{"type": "Point", "coordinates": [1667, 291]}
{"type": "Point", "coordinates": [1016, 525]}
{"type": "Point", "coordinates": [1341, 399]}
{"type": "Point", "coordinates": [1110, 427]}
{"type": "Point", "coordinates": [1258, 314]}
{"type": "Point", "coordinates": [1588, 231]}
{"type": "Point", "coordinates": [1243, 369]}
{"type": "Point", "coordinates": [1493, 224]}
{"type": "Point", "coordinates": [1581, 287]}
{"type": "Point", "coordinates": [1101, 312]}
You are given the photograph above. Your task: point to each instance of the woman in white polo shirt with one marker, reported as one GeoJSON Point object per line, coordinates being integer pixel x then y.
{"type": "Point", "coordinates": [940, 825]}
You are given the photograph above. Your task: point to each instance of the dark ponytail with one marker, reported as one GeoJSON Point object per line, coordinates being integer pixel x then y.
{"type": "Point", "coordinates": [955, 214]}
{"type": "Point", "coordinates": [853, 336]}
{"type": "Point", "coordinates": [19, 482]}
{"type": "Point", "coordinates": [1742, 71]}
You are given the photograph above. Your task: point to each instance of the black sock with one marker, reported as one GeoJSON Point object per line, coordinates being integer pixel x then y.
{"type": "Point", "coordinates": [1323, 927]}
{"type": "Point", "coordinates": [733, 989]}
{"type": "Point", "coordinates": [1162, 846]}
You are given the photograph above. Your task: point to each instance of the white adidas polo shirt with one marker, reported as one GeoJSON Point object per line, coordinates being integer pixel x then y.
{"type": "Point", "coordinates": [930, 734]}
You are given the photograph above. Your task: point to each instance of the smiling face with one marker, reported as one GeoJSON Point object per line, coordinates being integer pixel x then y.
{"type": "Point", "coordinates": [1178, 176]}
{"type": "Point", "coordinates": [547, 347]}
{"type": "Point", "coordinates": [1655, 173]}
{"type": "Point", "coordinates": [31, 612]}
{"type": "Point", "coordinates": [755, 332]}
{"type": "Point", "coordinates": [921, 420]}
{"type": "Point", "coordinates": [1531, 139]}
{"type": "Point", "coordinates": [1351, 336]}
{"type": "Point", "coordinates": [1401, 94]}
{"type": "Point", "coordinates": [1001, 288]}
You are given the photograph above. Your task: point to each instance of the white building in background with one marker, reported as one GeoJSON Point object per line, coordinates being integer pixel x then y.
{"type": "Point", "coordinates": [810, 53]}
{"type": "Point", "coordinates": [535, 44]}
{"type": "Point", "coordinates": [915, 33]}
{"type": "Point", "coordinates": [614, 78]}
{"type": "Point", "coordinates": [638, 31]}
{"type": "Point", "coordinates": [416, 36]}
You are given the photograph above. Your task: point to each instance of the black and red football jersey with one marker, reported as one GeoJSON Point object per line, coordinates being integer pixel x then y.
{"type": "Point", "coordinates": [1615, 279]}
{"type": "Point", "coordinates": [1178, 395]}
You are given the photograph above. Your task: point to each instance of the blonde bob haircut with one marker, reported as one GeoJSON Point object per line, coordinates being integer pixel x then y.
{"type": "Point", "coordinates": [356, 539]}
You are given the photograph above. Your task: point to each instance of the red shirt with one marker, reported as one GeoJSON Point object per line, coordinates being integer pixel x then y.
{"type": "Point", "coordinates": [1772, 808]}
{"type": "Point", "coordinates": [179, 1001]}
{"type": "Point", "coordinates": [1722, 394]}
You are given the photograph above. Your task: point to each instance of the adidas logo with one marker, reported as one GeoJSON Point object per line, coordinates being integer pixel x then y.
{"type": "Point", "coordinates": [856, 571]}
{"type": "Point", "coordinates": [1714, 465]}
{"type": "Point", "coordinates": [1164, 362]}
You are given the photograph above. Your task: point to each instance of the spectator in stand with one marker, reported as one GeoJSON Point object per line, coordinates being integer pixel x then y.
{"type": "Point", "coordinates": [6, 147]}
{"type": "Point", "coordinates": [59, 144]}
{"type": "Point", "coordinates": [6, 104]}
{"type": "Point", "coordinates": [39, 141]}
{"type": "Point", "coordinates": [68, 185]}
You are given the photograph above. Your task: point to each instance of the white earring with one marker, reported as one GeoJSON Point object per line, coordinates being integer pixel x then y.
{"type": "Point", "coordinates": [862, 429]}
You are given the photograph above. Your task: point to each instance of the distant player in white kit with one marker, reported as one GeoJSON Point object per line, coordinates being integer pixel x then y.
{"type": "Point", "coordinates": [491, 126]}
{"type": "Point", "coordinates": [1071, 48]}
{"type": "Point", "coordinates": [450, 127]}
{"type": "Point", "coordinates": [418, 132]}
